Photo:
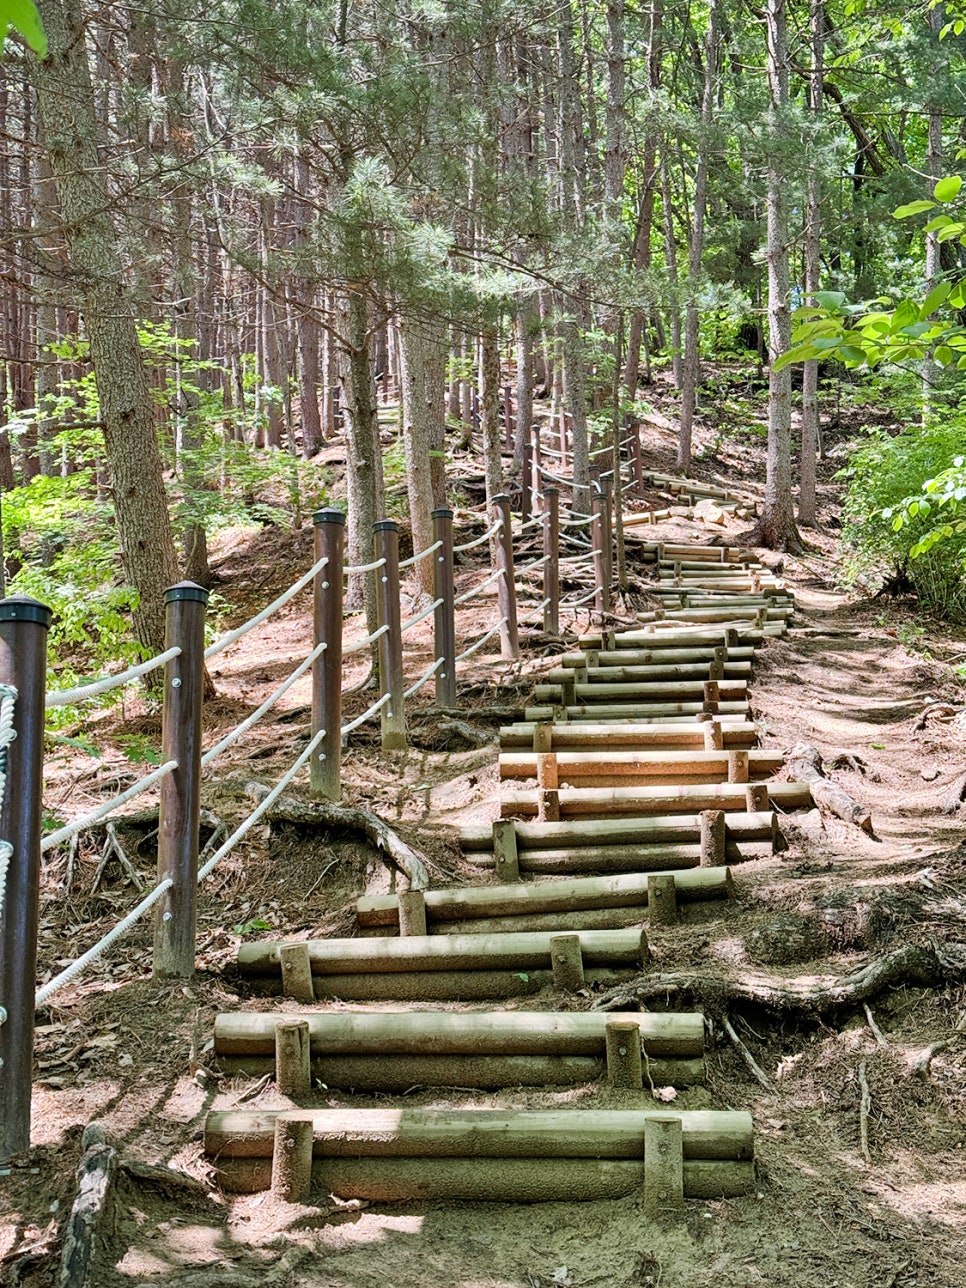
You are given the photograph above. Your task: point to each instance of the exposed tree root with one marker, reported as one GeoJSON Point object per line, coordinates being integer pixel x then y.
{"type": "Point", "coordinates": [346, 819]}
{"type": "Point", "coordinates": [805, 766]}
{"type": "Point", "coordinates": [933, 965]}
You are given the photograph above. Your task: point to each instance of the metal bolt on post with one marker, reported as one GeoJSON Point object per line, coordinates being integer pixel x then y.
{"type": "Point", "coordinates": [325, 776]}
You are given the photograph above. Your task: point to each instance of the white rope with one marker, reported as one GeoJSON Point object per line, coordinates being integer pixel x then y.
{"type": "Point", "coordinates": [414, 621]}
{"type": "Point", "coordinates": [244, 828]}
{"type": "Point", "coordinates": [414, 688]}
{"type": "Point", "coordinates": [366, 715]}
{"type": "Point", "coordinates": [102, 945]}
{"type": "Point", "coordinates": [575, 603]}
{"type": "Point", "coordinates": [8, 732]}
{"type": "Point", "coordinates": [470, 545]}
{"type": "Point", "coordinates": [468, 595]}
{"type": "Point", "coordinates": [266, 706]}
{"type": "Point", "coordinates": [102, 811]}
{"type": "Point", "coordinates": [358, 568]}
{"type": "Point", "coordinates": [555, 478]}
{"type": "Point", "coordinates": [221, 644]}
{"type": "Point", "coordinates": [577, 523]}
{"type": "Point", "coordinates": [482, 640]}
{"type": "Point", "coordinates": [536, 611]}
{"type": "Point", "coordinates": [361, 644]}
{"type": "Point", "coordinates": [576, 559]}
{"type": "Point", "coordinates": [68, 697]}
{"type": "Point", "coordinates": [408, 563]}
{"type": "Point", "coordinates": [537, 518]}
{"type": "Point", "coordinates": [531, 567]}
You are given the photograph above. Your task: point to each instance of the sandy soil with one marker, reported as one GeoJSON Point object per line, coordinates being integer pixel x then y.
{"type": "Point", "coordinates": [116, 1048]}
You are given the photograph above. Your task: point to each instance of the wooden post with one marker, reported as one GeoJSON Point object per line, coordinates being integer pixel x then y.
{"type": "Point", "coordinates": [662, 899]}
{"type": "Point", "coordinates": [713, 736]}
{"type": "Point", "coordinates": [293, 1066]}
{"type": "Point", "coordinates": [505, 587]}
{"type": "Point", "coordinates": [543, 736]}
{"type": "Point", "coordinates": [548, 783]}
{"type": "Point", "coordinates": [638, 449]}
{"type": "Point", "coordinates": [536, 483]}
{"type": "Point", "coordinates": [663, 1163]}
{"type": "Point", "coordinates": [444, 622]}
{"type": "Point", "coordinates": [732, 638]}
{"type": "Point", "coordinates": [412, 912]}
{"type": "Point", "coordinates": [713, 837]}
{"type": "Point", "coordinates": [624, 1064]}
{"type": "Point", "coordinates": [712, 696]}
{"type": "Point", "coordinates": [176, 913]}
{"type": "Point", "coordinates": [756, 798]}
{"type": "Point", "coordinates": [551, 560]}
{"type": "Point", "coordinates": [526, 483]}
{"type": "Point", "coordinates": [292, 1160]}
{"type": "Point", "coordinates": [391, 678]}
{"type": "Point", "coordinates": [597, 540]}
{"type": "Point", "coordinates": [325, 773]}
{"type": "Point", "coordinates": [507, 865]}
{"type": "Point", "coordinates": [508, 417]}
{"type": "Point", "coordinates": [568, 963]}
{"type": "Point", "coordinates": [296, 972]}
{"type": "Point", "coordinates": [737, 766]}
{"type": "Point", "coordinates": [23, 666]}
{"type": "Point", "coordinates": [607, 515]}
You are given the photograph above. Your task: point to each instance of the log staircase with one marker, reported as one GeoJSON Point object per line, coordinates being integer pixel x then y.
{"type": "Point", "coordinates": [628, 789]}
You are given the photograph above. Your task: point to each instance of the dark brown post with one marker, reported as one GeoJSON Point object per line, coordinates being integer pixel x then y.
{"type": "Point", "coordinates": [535, 462]}
{"type": "Point", "coordinates": [505, 588]}
{"type": "Point", "coordinates": [176, 913]}
{"type": "Point", "coordinates": [638, 453]}
{"type": "Point", "coordinates": [601, 585]}
{"type": "Point", "coordinates": [23, 666]}
{"type": "Point", "coordinates": [391, 678]}
{"type": "Point", "coordinates": [607, 514]}
{"type": "Point", "coordinates": [444, 622]}
{"type": "Point", "coordinates": [326, 763]}
{"type": "Point", "coordinates": [526, 485]}
{"type": "Point", "coordinates": [508, 417]}
{"type": "Point", "coordinates": [551, 560]}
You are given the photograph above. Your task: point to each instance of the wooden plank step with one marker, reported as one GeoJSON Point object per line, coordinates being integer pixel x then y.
{"type": "Point", "coordinates": [642, 802]}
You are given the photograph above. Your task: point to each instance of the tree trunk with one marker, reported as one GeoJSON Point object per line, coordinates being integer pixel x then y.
{"type": "Point", "coordinates": [364, 481]}
{"type": "Point", "coordinates": [776, 527]}
{"type": "Point", "coordinates": [423, 393]}
{"type": "Point", "coordinates": [934, 169]}
{"type": "Point", "coordinates": [68, 122]}
{"type": "Point", "coordinates": [813, 269]}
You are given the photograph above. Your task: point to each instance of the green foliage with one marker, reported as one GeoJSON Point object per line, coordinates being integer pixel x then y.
{"type": "Point", "coordinates": [22, 16]}
{"type": "Point", "coordinates": [891, 495]}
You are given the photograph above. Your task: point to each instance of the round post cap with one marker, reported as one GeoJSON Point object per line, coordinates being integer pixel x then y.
{"type": "Point", "coordinates": [21, 608]}
{"type": "Point", "coordinates": [385, 525]}
{"type": "Point", "coordinates": [442, 513]}
{"type": "Point", "coordinates": [328, 515]}
{"type": "Point", "coordinates": [186, 591]}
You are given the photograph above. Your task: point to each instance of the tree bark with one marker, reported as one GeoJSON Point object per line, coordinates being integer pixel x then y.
{"type": "Point", "coordinates": [69, 126]}
{"type": "Point", "coordinates": [423, 393]}
{"type": "Point", "coordinates": [811, 429]}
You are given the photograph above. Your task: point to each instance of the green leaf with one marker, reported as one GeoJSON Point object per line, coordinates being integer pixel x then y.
{"type": "Point", "coordinates": [851, 353]}
{"type": "Point", "coordinates": [906, 313]}
{"type": "Point", "coordinates": [943, 355]}
{"type": "Point", "coordinates": [877, 746]}
{"type": "Point", "coordinates": [935, 297]}
{"type": "Point", "coordinates": [940, 221]}
{"type": "Point", "coordinates": [830, 299]}
{"type": "Point", "coordinates": [948, 189]}
{"type": "Point", "coordinates": [913, 208]}
{"type": "Point", "coordinates": [22, 16]}
{"type": "Point", "coordinates": [957, 296]}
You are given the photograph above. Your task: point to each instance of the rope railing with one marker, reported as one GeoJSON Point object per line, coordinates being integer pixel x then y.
{"type": "Point", "coordinates": [535, 612]}
{"type": "Point", "coordinates": [581, 521]}
{"type": "Point", "coordinates": [81, 824]}
{"type": "Point", "coordinates": [555, 478]}
{"type": "Point", "coordinates": [359, 568]}
{"type": "Point", "coordinates": [418, 558]}
{"type": "Point", "coordinates": [414, 621]}
{"type": "Point", "coordinates": [359, 645]}
{"type": "Point", "coordinates": [249, 723]}
{"type": "Point", "coordinates": [482, 640]}
{"type": "Point", "coordinates": [70, 697]}
{"type": "Point", "coordinates": [575, 603]}
{"type": "Point", "coordinates": [366, 715]}
{"type": "Point", "coordinates": [477, 590]}
{"type": "Point", "coordinates": [532, 523]}
{"type": "Point", "coordinates": [531, 567]}
{"type": "Point", "coordinates": [478, 541]}
{"type": "Point", "coordinates": [424, 678]}
{"type": "Point", "coordinates": [233, 636]}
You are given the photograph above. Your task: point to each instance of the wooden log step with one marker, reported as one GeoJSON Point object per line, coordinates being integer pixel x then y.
{"type": "Point", "coordinates": [707, 1134]}
{"type": "Point", "coordinates": [610, 802]}
{"type": "Point", "coordinates": [473, 903]}
{"type": "Point", "coordinates": [624, 673]}
{"type": "Point", "coordinates": [452, 953]}
{"type": "Point", "coordinates": [577, 768]}
{"type": "Point", "coordinates": [684, 829]}
{"type": "Point", "coordinates": [491, 1033]}
{"type": "Point", "coordinates": [367, 1075]}
{"type": "Point", "coordinates": [655, 656]}
{"type": "Point", "coordinates": [659, 691]}
{"type": "Point", "coordinates": [737, 614]}
{"type": "Point", "coordinates": [708, 565]}
{"type": "Point", "coordinates": [440, 985]}
{"type": "Point", "coordinates": [597, 711]}
{"type": "Point", "coordinates": [713, 554]}
{"type": "Point", "coordinates": [703, 599]}
{"type": "Point", "coordinates": [488, 1180]}
{"type": "Point", "coordinates": [623, 859]}
{"type": "Point", "coordinates": [640, 733]}
{"type": "Point", "coordinates": [680, 637]}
